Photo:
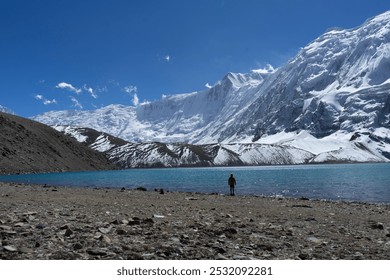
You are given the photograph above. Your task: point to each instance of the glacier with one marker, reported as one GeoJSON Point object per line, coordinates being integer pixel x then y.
{"type": "Point", "coordinates": [331, 101]}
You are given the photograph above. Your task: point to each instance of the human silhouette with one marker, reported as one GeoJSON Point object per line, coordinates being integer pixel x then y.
{"type": "Point", "coordinates": [231, 183]}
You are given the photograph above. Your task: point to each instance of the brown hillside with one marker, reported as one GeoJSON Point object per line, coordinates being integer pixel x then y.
{"type": "Point", "coordinates": [27, 146]}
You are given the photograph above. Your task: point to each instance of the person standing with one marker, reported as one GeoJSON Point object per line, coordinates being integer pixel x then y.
{"type": "Point", "coordinates": [231, 183]}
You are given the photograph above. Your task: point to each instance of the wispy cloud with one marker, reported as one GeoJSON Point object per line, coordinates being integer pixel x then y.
{"type": "Point", "coordinates": [69, 87]}
{"type": "Point", "coordinates": [45, 101]}
{"type": "Point", "coordinates": [90, 91]}
{"type": "Point", "coordinates": [130, 89]}
{"type": "Point", "coordinates": [268, 69]}
{"type": "Point", "coordinates": [48, 102]}
{"type": "Point", "coordinates": [167, 58]}
{"type": "Point", "coordinates": [76, 103]}
{"type": "Point", "coordinates": [135, 99]}
{"type": "Point", "coordinates": [133, 92]}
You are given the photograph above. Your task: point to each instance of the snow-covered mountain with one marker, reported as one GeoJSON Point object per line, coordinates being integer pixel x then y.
{"type": "Point", "coordinates": [174, 118]}
{"type": "Point", "coordinates": [332, 100]}
{"type": "Point", "coordinates": [156, 154]}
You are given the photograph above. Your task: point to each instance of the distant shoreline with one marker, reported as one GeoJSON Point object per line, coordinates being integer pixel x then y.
{"type": "Point", "coordinates": [2, 173]}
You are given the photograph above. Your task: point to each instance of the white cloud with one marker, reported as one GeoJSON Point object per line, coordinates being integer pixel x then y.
{"type": "Point", "coordinates": [48, 102]}
{"type": "Point", "coordinates": [44, 100]}
{"type": "Point", "coordinates": [167, 57]}
{"type": "Point", "coordinates": [76, 103]}
{"type": "Point", "coordinates": [208, 85]}
{"type": "Point", "coordinates": [130, 89]}
{"type": "Point", "coordinates": [268, 69]}
{"type": "Point", "coordinates": [69, 87]}
{"type": "Point", "coordinates": [135, 99]}
{"type": "Point", "coordinates": [90, 91]}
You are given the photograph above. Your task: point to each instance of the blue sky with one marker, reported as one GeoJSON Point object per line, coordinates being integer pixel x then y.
{"type": "Point", "coordinates": [73, 54]}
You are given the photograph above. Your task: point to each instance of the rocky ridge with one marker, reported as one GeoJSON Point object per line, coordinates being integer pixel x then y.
{"type": "Point", "coordinates": [28, 146]}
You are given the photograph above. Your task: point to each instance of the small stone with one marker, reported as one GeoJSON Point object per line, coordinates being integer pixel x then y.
{"type": "Point", "coordinates": [379, 226]}
{"type": "Point", "coordinates": [40, 226]}
{"type": "Point", "coordinates": [158, 216]}
{"type": "Point", "coordinates": [134, 222]}
{"type": "Point", "coordinates": [20, 224]}
{"type": "Point", "coordinates": [148, 221]}
{"type": "Point", "coordinates": [120, 231]}
{"type": "Point", "coordinates": [97, 235]}
{"type": "Point", "coordinates": [64, 227]}
{"type": "Point", "coordinates": [104, 230]}
{"type": "Point", "coordinates": [96, 252]}
{"type": "Point", "coordinates": [314, 240]}
{"type": "Point", "coordinates": [68, 232]}
{"type": "Point", "coordinates": [2, 227]}
{"type": "Point", "coordinates": [105, 239]}
{"type": "Point", "coordinates": [175, 240]}
{"type": "Point", "coordinates": [77, 246]}
{"type": "Point", "coordinates": [220, 250]}
{"type": "Point", "coordinates": [358, 256]}
{"type": "Point", "coordinates": [10, 248]}
{"type": "Point", "coordinates": [230, 230]}
{"type": "Point", "coordinates": [304, 256]}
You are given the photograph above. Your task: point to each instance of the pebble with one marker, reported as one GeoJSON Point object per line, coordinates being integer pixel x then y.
{"type": "Point", "coordinates": [104, 230]}
{"type": "Point", "coordinates": [10, 248]}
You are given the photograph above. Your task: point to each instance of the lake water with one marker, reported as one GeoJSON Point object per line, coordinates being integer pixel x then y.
{"type": "Point", "coordinates": [350, 182]}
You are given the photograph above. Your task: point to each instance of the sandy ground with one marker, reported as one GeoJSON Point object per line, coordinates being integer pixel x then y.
{"type": "Point", "coordinates": [44, 222]}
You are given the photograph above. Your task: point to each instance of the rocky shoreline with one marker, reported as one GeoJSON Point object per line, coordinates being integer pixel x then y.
{"type": "Point", "coordinates": [44, 222]}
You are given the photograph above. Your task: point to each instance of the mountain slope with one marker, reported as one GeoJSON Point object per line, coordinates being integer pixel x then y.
{"type": "Point", "coordinates": [156, 154]}
{"type": "Point", "coordinates": [339, 82]}
{"type": "Point", "coordinates": [28, 146]}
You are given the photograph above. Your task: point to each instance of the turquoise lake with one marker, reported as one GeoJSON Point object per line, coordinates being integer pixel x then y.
{"type": "Point", "coordinates": [349, 182]}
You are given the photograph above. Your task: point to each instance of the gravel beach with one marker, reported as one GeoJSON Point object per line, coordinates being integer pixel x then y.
{"type": "Point", "coordinates": [44, 222]}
